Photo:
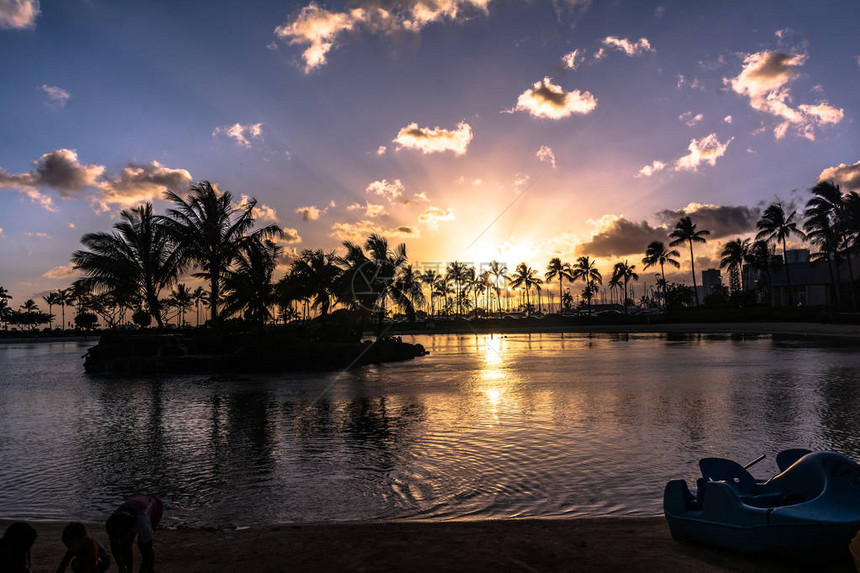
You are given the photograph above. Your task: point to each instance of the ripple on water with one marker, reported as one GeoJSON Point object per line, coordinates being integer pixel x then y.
{"type": "Point", "coordinates": [516, 426]}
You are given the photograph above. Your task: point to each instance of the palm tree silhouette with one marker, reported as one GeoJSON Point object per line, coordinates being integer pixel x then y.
{"type": "Point", "coordinates": [430, 277]}
{"type": "Point", "coordinates": [139, 257]}
{"type": "Point", "coordinates": [65, 296]}
{"type": "Point", "coordinates": [657, 253]}
{"type": "Point", "coordinates": [733, 255]}
{"type": "Point", "coordinates": [822, 232]}
{"type": "Point", "coordinates": [248, 284]}
{"type": "Point", "coordinates": [408, 282]}
{"type": "Point", "coordinates": [498, 270]}
{"type": "Point", "coordinates": [685, 232]}
{"type": "Point", "coordinates": [829, 205]}
{"type": "Point", "coordinates": [776, 226]}
{"type": "Point", "coordinates": [456, 271]}
{"type": "Point", "coordinates": [556, 268]}
{"type": "Point", "coordinates": [586, 269]}
{"type": "Point", "coordinates": [526, 277]}
{"type": "Point", "coordinates": [198, 296]}
{"type": "Point", "coordinates": [51, 299]}
{"type": "Point", "coordinates": [210, 231]}
{"type": "Point", "coordinates": [318, 274]}
{"type": "Point", "coordinates": [182, 299]}
{"type": "Point", "coordinates": [626, 272]}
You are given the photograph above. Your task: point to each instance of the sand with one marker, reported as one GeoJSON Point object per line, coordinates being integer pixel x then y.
{"type": "Point", "coordinates": [616, 544]}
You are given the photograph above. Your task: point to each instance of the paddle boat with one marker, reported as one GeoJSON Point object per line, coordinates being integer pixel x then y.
{"type": "Point", "coordinates": [810, 508]}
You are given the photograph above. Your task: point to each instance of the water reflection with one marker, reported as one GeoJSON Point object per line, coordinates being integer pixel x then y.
{"type": "Point", "coordinates": [485, 426]}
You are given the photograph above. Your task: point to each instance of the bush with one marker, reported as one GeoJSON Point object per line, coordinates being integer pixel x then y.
{"type": "Point", "coordinates": [141, 318]}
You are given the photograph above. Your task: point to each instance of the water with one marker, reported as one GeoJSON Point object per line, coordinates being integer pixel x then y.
{"type": "Point", "coordinates": [543, 425]}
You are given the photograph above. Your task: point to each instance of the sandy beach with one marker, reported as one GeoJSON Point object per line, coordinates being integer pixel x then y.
{"type": "Point", "coordinates": [616, 544]}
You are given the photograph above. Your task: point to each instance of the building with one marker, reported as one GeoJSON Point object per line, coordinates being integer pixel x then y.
{"type": "Point", "coordinates": [812, 283]}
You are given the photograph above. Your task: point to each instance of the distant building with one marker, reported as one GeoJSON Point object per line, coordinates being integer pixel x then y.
{"type": "Point", "coordinates": [712, 281]}
{"type": "Point", "coordinates": [811, 282]}
{"type": "Point", "coordinates": [794, 256]}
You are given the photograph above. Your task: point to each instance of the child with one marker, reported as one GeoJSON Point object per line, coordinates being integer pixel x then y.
{"type": "Point", "coordinates": [138, 516]}
{"type": "Point", "coordinates": [85, 555]}
{"type": "Point", "coordinates": [15, 548]}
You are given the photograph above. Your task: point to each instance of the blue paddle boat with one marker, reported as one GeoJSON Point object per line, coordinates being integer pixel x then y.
{"type": "Point", "coordinates": [811, 508]}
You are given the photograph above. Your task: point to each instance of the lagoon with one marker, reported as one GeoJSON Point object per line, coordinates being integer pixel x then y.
{"type": "Point", "coordinates": [485, 426]}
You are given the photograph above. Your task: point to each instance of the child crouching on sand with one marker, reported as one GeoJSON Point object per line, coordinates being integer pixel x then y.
{"type": "Point", "coordinates": [86, 555]}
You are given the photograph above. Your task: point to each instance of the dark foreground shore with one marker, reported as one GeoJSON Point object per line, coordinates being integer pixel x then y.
{"type": "Point", "coordinates": [575, 545]}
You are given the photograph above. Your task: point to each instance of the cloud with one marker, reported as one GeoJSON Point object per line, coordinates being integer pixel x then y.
{"type": "Point", "coordinates": [37, 235]}
{"type": "Point", "coordinates": [649, 170]}
{"type": "Point", "coordinates": [435, 140]}
{"type": "Point", "coordinates": [381, 150]}
{"type": "Point", "coordinates": [62, 272]}
{"type": "Point", "coordinates": [720, 220]}
{"type": "Point", "coordinates": [545, 155]}
{"type": "Point", "coordinates": [59, 170]}
{"type": "Point", "coordinates": [695, 84]}
{"type": "Point", "coordinates": [57, 97]}
{"type": "Point", "coordinates": [432, 216]}
{"type": "Point", "coordinates": [310, 212]}
{"type": "Point", "coordinates": [572, 60]}
{"type": "Point", "coordinates": [642, 46]}
{"type": "Point", "coordinates": [705, 150]}
{"type": "Point", "coordinates": [318, 30]}
{"type": "Point", "coordinates": [391, 190]}
{"type": "Point", "coordinates": [290, 236]}
{"type": "Point", "coordinates": [690, 119]}
{"type": "Point", "coordinates": [262, 212]}
{"type": "Point", "coordinates": [358, 231]}
{"type": "Point", "coordinates": [617, 236]}
{"type": "Point", "coordinates": [141, 182]}
{"type": "Point", "coordinates": [728, 119]}
{"type": "Point", "coordinates": [241, 134]}
{"type": "Point", "coordinates": [845, 175]}
{"type": "Point", "coordinates": [547, 100]}
{"type": "Point", "coordinates": [764, 80]}
{"type": "Point", "coordinates": [371, 210]}
{"type": "Point", "coordinates": [18, 14]}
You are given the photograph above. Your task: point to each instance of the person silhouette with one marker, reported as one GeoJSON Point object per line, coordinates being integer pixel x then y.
{"type": "Point", "coordinates": [15, 548]}
{"type": "Point", "coordinates": [138, 516]}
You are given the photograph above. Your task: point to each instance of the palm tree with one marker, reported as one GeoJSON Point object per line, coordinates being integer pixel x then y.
{"type": "Point", "coordinates": [409, 283]}
{"type": "Point", "coordinates": [318, 274]}
{"type": "Point", "coordinates": [498, 270]}
{"type": "Point", "coordinates": [51, 299]}
{"type": "Point", "coordinates": [822, 232]}
{"type": "Point", "coordinates": [685, 232]}
{"type": "Point", "coordinates": [182, 299]}
{"type": "Point", "coordinates": [829, 204]}
{"type": "Point", "coordinates": [556, 268]}
{"type": "Point", "coordinates": [626, 272]}
{"type": "Point", "coordinates": [586, 269]}
{"type": "Point", "coordinates": [776, 226]}
{"type": "Point", "coordinates": [65, 296]}
{"type": "Point", "coordinates": [657, 253]}
{"type": "Point", "coordinates": [759, 258]}
{"type": "Point", "coordinates": [526, 277]}
{"type": "Point", "coordinates": [139, 257]}
{"type": "Point", "coordinates": [430, 278]}
{"type": "Point", "coordinates": [211, 232]}
{"type": "Point", "coordinates": [456, 271]}
{"type": "Point", "coordinates": [248, 283]}
{"type": "Point", "coordinates": [198, 296]}
{"type": "Point", "coordinates": [733, 256]}
{"type": "Point", "coordinates": [4, 304]}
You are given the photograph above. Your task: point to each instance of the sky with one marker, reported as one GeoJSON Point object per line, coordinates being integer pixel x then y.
{"type": "Point", "coordinates": [471, 130]}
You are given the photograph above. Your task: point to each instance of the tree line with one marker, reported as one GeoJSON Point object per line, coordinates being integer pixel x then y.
{"type": "Point", "coordinates": [208, 236]}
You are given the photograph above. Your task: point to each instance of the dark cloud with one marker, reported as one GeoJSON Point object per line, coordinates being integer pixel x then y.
{"type": "Point", "coordinates": [720, 220]}
{"type": "Point", "coordinates": [622, 237]}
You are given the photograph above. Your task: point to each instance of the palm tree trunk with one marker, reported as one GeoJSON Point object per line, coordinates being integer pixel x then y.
{"type": "Point", "coordinates": [213, 298]}
{"type": "Point", "coordinates": [833, 286]}
{"type": "Point", "coordinates": [626, 310]}
{"type": "Point", "coordinates": [663, 276]}
{"type": "Point", "coordinates": [63, 326]}
{"type": "Point", "coordinates": [838, 283]}
{"type": "Point", "coordinates": [851, 278]}
{"type": "Point", "coordinates": [787, 274]}
{"type": "Point", "coordinates": [693, 267]}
